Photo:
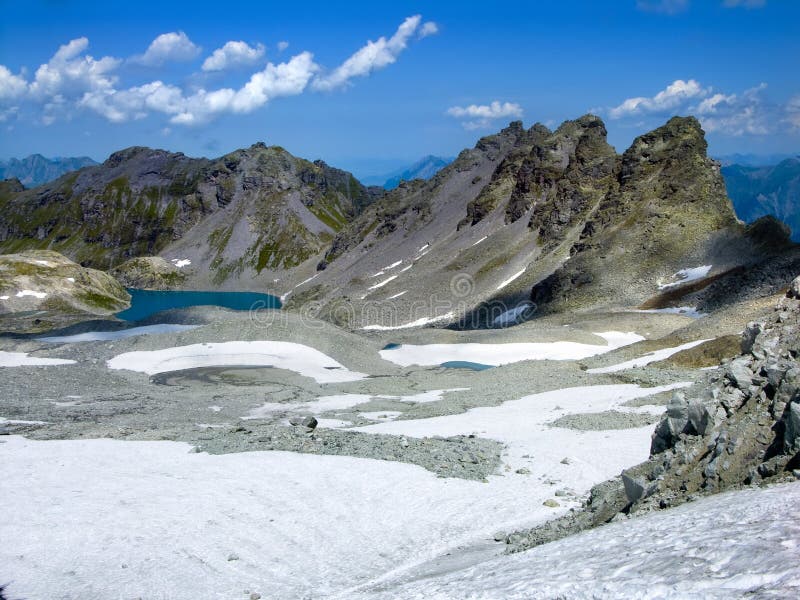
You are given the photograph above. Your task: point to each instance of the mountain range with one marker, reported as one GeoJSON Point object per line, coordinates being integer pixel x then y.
{"type": "Point", "coordinates": [759, 191]}
{"type": "Point", "coordinates": [35, 169]}
{"type": "Point", "coordinates": [553, 217]}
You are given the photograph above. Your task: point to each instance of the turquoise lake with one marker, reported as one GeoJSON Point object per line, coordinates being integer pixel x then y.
{"type": "Point", "coordinates": [148, 302]}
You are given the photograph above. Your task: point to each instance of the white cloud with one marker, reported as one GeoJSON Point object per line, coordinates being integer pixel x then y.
{"type": "Point", "coordinates": [712, 104]}
{"type": "Point", "coordinates": [675, 93]}
{"type": "Point", "coordinates": [744, 3]}
{"type": "Point", "coordinates": [735, 114]}
{"type": "Point", "coordinates": [285, 79]}
{"type": "Point", "coordinates": [233, 54]}
{"type": "Point", "coordinates": [429, 28]}
{"type": "Point", "coordinates": [480, 116]}
{"type": "Point", "coordinates": [72, 79]}
{"type": "Point", "coordinates": [375, 55]}
{"type": "Point", "coordinates": [11, 86]}
{"type": "Point", "coordinates": [669, 7]}
{"type": "Point", "coordinates": [168, 47]}
{"type": "Point", "coordinates": [282, 46]}
{"type": "Point", "coordinates": [71, 72]}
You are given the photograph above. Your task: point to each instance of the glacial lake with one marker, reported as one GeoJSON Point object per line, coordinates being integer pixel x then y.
{"type": "Point", "coordinates": [148, 302]}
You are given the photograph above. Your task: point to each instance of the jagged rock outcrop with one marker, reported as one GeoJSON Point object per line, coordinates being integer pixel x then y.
{"type": "Point", "coordinates": [39, 285]}
{"type": "Point", "coordinates": [149, 273]}
{"type": "Point", "coordinates": [738, 427]}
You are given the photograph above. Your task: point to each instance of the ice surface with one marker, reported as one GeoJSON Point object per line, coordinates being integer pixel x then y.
{"type": "Point", "coordinates": [501, 354]}
{"type": "Point", "coordinates": [295, 357]}
{"type": "Point", "coordinates": [21, 359]}
{"type": "Point", "coordinates": [107, 336]}
{"type": "Point", "coordinates": [647, 358]}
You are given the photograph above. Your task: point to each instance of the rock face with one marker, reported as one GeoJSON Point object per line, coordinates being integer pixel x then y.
{"type": "Point", "coordinates": [43, 280]}
{"type": "Point", "coordinates": [739, 427]}
{"type": "Point", "coordinates": [556, 219]}
{"type": "Point", "coordinates": [258, 209]}
{"type": "Point", "coordinates": [149, 273]}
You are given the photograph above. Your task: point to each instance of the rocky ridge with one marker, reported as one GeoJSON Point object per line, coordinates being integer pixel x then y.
{"type": "Point", "coordinates": [740, 426]}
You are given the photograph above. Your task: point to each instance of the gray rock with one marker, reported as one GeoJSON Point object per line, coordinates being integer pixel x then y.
{"type": "Point", "coordinates": [794, 289]}
{"type": "Point", "coordinates": [791, 435]}
{"type": "Point", "coordinates": [635, 488]}
{"type": "Point", "coordinates": [309, 422]}
{"type": "Point", "coordinates": [739, 373]}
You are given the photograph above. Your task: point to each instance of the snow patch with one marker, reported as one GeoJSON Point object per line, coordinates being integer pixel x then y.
{"type": "Point", "coordinates": [108, 336]}
{"type": "Point", "coordinates": [299, 358]}
{"type": "Point", "coordinates": [737, 544]}
{"type": "Point", "coordinates": [397, 295]}
{"type": "Point", "coordinates": [124, 498]}
{"type": "Point", "coordinates": [480, 240]}
{"type": "Point", "coordinates": [3, 297]}
{"type": "Point", "coordinates": [393, 265]}
{"type": "Point", "coordinates": [510, 279]}
{"type": "Point", "coordinates": [181, 262]}
{"type": "Point", "coordinates": [71, 279]}
{"type": "Point", "coordinates": [510, 316]}
{"type": "Point", "coordinates": [4, 421]}
{"type": "Point", "coordinates": [418, 323]}
{"type": "Point", "coordinates": [306, 281]}
{"type": "Point", "coordinates": [501, 354]}
{"type": "Point", "coordinates": [21, 359]}
{"type": "Point", "coordinates": [382, 283]}
{"type": "Point", "coordinates": [24, 293]}
{"type": "Point", "coordinates": [647, 358]}
{"type": "Point", "coordinates": [685, 276]}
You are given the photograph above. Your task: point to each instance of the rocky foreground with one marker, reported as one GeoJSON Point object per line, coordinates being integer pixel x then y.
{"type": "Point", "coordinates": [738, 426]}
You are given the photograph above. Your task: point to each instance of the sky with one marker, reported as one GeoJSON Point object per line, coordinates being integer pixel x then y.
{"type": "Point", "coordinates": [373, 86]}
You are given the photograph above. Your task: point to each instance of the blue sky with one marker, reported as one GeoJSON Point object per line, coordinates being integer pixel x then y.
{"type": "Point", "coordinates": [370, 86]}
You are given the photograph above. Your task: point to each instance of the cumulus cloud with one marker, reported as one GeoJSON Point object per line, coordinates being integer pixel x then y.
{"type": "Point", "coordinates": [11, 86]}
{"type": "Point", "coordinates": [285, 79]}
{"type": "Point", "coordinates": [479, 116]}
{"type": "Point", "coordinates": [736, 114]}
{"type": "Point", "coordinates": [72, 79]}
{"type": "Point", "coordinates": [174, 46]}
{"type": "Point", "coordinates": [375, 55]}
{"type": "Point", "coordinates": [233, 54]}
{"type": "Point", "coordinates": [71, 72]}
{"type": "Point", "coordinates": [667, 7]}
{"type": "Point", "coordinates": [672, 96]}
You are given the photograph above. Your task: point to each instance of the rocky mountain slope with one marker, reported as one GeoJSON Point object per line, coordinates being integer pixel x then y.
{"type": "Point", "coordinates": [254, 211]}
{"type": "Point", "coordinates": [529, 221]}
{"type": "Point", "coordinates": [760, 191]}
{"type": "Point", "coordinates": [35, 169]}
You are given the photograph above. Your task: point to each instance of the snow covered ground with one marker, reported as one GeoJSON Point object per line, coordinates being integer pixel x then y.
{"type": "Point", "coordinates": [118, 519]}
{"type": "Point", "coordinates": [23, 359]}
{"type": "Point", "coordinates": [501, 354]}
{"type": "Point", "coordinates": [686, 276]}
{"type": "Point", "coordinates": [295, 357]}
{"type": "Point", "coordinates": [739, 544]}
{"type": "Point", "coordinates": [110, 336]}
{"type": "Point", "coordinates": [647, 358]}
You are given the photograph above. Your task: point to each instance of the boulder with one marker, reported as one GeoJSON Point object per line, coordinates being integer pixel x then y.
{"type": "Point", "coordinates": [43, 280]}
{"type": "Point", "coordinates": [308, 422]}
{"type": "Point", "coordinates": [149, 273]}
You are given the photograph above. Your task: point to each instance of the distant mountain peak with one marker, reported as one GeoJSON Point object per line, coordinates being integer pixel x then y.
{"type": "Point", "coordinates": [35, 170]}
